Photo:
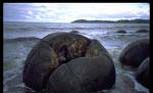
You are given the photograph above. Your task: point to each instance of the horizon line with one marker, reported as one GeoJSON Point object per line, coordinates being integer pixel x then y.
{"type": "Point", "coordinates": [74, 20]}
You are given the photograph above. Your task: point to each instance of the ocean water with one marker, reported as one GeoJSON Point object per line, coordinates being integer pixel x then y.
{"type": "Point", "coordinates": [20, 37]}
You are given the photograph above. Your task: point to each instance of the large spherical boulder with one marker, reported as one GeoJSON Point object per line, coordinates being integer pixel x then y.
{"type": "Point", "coordinates": [134, 53]}
{"type": "Point", "coordinates": [58, 49]}
{"type": "Point", "coordinates": [142, 74]}
{"type": "Point", "coordinates": [83, 75]}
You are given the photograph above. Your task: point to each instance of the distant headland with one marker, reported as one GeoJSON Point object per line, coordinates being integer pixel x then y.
{"type": "Point", "coordinates": [107, 21]}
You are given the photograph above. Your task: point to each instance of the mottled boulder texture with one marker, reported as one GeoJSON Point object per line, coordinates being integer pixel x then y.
{"type": "Point", "coordinates": [134, 53]}
{"type": "Point", "coordinates": [68, 63]}
{"type": "Point", "coordinates": [142, 74]}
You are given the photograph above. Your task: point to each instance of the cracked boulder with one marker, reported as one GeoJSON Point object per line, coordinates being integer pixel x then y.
{"type": "Point", "coordinates": [66, 63]}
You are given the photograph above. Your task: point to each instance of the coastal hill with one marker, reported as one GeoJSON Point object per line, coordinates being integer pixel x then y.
{"type": "Point", "coordinates": [106, 21]}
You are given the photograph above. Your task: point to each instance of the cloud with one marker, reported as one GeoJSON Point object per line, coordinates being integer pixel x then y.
{"type": "Point", "coordinates": [66, 12]}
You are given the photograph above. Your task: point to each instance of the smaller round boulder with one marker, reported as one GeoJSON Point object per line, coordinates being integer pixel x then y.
{"type": "Point", "coordinates": [142, 31]}
{"type": "Point", "coordinates": [142, 74]}
{"type": "Point", "coordinates": [74, 32]}
{"type": "Point", "coordinates": [134, 53]}
{"type": "Point", "coordinates": [121, 31]}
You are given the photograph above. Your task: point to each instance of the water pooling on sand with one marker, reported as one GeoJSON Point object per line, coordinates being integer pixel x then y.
{"type": "Point", "coordinates": [19, 38]}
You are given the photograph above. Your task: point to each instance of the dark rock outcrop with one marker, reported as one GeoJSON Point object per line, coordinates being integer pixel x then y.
{"type": "Point", "coordinates": [121, 31]}
{"type": "Point", "coordinates": [134, 53]}
{"type": "Point", "coordinates": [69, 52]}
{"type": "Point", "coordinates": [142, 74]}
{"type": "Point", "coordinates": [142, 31]}
{"type": "Point", "coordinates": [74, 32]}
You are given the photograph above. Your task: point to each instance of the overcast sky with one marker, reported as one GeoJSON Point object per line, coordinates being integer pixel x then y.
{"type": "Point", "coordinates": [67, 12]}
